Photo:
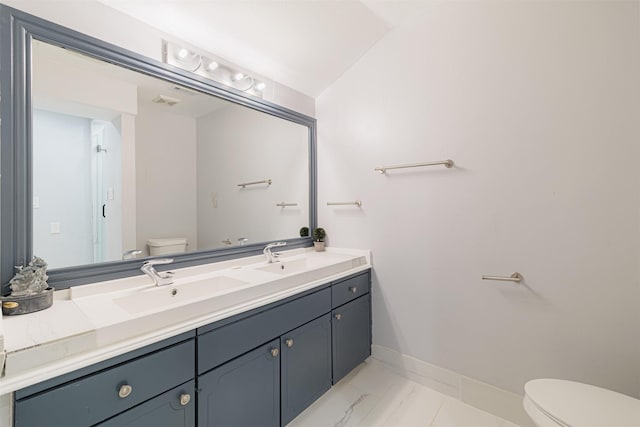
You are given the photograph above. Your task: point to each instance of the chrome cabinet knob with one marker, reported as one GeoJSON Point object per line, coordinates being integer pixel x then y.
{"type": "Point", "coordinates": [275, 352]}
{"type": "Point", "coordinates": [338, 316]}
{"type": "Point", "coordinates": [125, 390]}
{"type": "Point", "coordinates": [289, 342]}
{"type": "Point", "coordinates": [353, 289]}
{"type": "Point", "coordinates": [185, 398]}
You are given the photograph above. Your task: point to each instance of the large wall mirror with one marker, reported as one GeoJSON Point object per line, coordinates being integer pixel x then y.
{"type": "Point", "coordinates": [105, 152]}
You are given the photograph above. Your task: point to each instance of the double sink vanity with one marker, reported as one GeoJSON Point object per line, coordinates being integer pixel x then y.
{"type": "Point", "coordinates": [241, 342]}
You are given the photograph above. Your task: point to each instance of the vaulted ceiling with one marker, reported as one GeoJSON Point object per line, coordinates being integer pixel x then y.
{"type": "Point", "coordinates": [303, 44]}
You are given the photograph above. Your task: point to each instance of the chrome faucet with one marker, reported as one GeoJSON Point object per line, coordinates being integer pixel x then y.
{"type": "Point", "coordinates": [271, 257]}
{"type": "Point", "coordinates": [159, 279]}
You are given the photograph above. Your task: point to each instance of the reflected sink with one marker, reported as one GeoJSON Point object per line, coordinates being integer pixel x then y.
{"type": "Point", "coordinates": [286, 267]}
{"type": "Point", "coordinates": [164, 297]}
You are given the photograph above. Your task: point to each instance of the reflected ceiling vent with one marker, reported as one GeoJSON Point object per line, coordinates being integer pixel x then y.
{"type": "Point", "coordinates": [166, 100]}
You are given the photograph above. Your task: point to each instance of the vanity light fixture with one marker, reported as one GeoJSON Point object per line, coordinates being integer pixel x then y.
{"type": "Point", "coordinates": [213, 69]}
{"type": "Point", "coordinates": [185, 59]}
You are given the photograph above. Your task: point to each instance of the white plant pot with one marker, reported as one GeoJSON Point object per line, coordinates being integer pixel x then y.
{"type": "Point", "coordinates": [319, 246]}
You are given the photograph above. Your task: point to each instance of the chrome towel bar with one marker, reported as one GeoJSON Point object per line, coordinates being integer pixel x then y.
{"type": "Point", "coordinates": [265, 181]}
{"type": "Point", "coordinates": [283, 204]}
{"type": "Point", "coordinates": [447, 163]}
{"type": "Point", "coordinates": [515, 277]}
{"type": "Point", "coordinates": [357, 203]}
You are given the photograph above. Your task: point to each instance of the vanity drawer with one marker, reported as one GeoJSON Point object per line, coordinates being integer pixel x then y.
{"type": "Point", "coordinates": [87, 401]}
{"type": "Point", "coordinates": [350, 289]}
{"type": "Point", "coordinates": [229, 341]}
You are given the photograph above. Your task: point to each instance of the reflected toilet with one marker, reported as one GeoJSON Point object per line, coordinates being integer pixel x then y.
{"type": "Point", "coordinates": [553, 403]}
{"type": "Point", "coordinates": [167, 246]}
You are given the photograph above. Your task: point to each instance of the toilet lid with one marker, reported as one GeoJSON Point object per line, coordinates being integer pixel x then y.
{"type": "Point", "coordinates": [582, 405]}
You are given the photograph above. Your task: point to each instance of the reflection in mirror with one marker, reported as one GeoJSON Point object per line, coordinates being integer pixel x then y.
{"type": "Point", "coordinates": [124, 161]}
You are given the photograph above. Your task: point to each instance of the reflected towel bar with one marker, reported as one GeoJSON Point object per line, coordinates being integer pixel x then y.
{"type": "Point", "coordinates": [244, 184]}
{"type": "Point", "coordinates": [357, 203]}
{"type": "Point", "coordinates": [283, 204]}
{"type": "Point", "coordinates": [447, 163]}
{"type": "Point", "coordinates": [515, 277]}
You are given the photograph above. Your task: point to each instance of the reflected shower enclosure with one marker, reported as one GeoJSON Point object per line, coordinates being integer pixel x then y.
{"type": "Point", "coordinates": [77, 203]}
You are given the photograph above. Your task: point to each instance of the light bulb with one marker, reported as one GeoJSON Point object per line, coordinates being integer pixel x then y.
{"type": "Point", "coordinates": [238, 77]}
{"type": "Point", "coordinates": [212, 66]}
{"type": "Point", "coordinates": [260, 86]}
{"type": "Point", "coordinates": [183, 53]}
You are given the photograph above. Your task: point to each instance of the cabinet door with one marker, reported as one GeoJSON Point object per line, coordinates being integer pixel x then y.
{"type": "Point", "coordinates": [244, 392]}
{"type": "Point", "coordinates": [175, 408]}
{"type": "Point", "coordinates": [351, 330]}
{"type": "Point", "coordinates": [306, 366]}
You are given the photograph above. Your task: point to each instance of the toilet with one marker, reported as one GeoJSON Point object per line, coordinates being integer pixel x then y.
{"type": "Point", "coordinates": [166, 246]}
{"type": "Point", "coordinates": [553, 403]}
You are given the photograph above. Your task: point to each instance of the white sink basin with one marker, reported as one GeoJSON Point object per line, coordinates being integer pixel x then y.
{"type": "Point", "coordinates": [287, 267]}
{"type": "Point", "coordinates": [163, 297]}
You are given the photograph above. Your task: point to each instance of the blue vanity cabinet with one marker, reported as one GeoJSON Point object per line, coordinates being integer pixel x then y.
{"type": "Point", "coordinates": [262, 367]}
{"type": "Point", "coordinates": [306, 366]}
{"type": "Point", "coordinates": [97, 393]}
{"type": "Point", "coordinates": [350, 324]}
{"type": "Point", "coordinates": [244, 392]}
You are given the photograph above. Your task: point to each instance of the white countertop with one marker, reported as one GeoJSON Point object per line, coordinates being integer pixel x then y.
{"type": "Point", "coordinates": [91, 323]}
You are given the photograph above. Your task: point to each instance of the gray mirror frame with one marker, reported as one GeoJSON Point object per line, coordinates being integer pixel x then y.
{"type": "Point", "coordinates": [17, 30]}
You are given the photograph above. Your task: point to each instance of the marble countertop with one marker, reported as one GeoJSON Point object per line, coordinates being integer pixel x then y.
{"type": "Point", "coordinates": [91, 323]}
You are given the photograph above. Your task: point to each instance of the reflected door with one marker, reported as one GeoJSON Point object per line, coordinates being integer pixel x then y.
{"type": "Point", "coordinates": [107, 201]}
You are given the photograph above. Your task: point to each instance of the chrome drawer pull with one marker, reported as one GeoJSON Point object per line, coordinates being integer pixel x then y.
{"type": "Point", "coordinates": [338, 316]}
{"type": "Point", "coordinates": [289, 342]}
{"type": "Point", "coordinates": [353, 289]}
{"type": "Point", "coordinates": [275, 352]}
{"type": "Point", "coordinates": [185, 398]}
{"type": "Point", "coordinates": [125, 390]}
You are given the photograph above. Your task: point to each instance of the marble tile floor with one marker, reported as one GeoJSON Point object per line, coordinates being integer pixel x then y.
{"type": "Point", "coordinates": [373, 395]}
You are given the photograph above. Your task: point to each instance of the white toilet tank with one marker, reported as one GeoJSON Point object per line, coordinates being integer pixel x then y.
{"type": "Point", "coordinates": [166, 246]}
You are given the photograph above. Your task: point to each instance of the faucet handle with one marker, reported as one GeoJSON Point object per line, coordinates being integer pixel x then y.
{"type": "Point", "coordinates": [158, 261]}
{"type": "Point", "coordinates": [273, 245]}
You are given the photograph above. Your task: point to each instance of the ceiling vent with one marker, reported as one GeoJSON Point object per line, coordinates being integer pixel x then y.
{"type": "Point", "coordinates": [166, 100]}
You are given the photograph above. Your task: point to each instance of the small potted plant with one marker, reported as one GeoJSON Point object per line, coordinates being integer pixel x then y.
{"type": "Point", "coordinates": [304, 232]}
{"type": "Point", "coordinates": [318, 239]}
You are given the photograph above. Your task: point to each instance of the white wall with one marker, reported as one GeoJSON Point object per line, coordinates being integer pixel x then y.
{"type": "Point", "coordinates": [165, 177]}
{"type": "Point", "coordinates": [236, 145]}
{"type": "Point", "coordinates": [538, 103]}
{"type": "Point", "coordinates": [97, 20]}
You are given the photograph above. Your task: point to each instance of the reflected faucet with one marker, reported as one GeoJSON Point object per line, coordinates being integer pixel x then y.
{"type": "Point", "coordinates": [159, 279]}
{"type": "Point", "coordinates": [271, 257]}
{"type": "Point", "coordinates": [131, 254]}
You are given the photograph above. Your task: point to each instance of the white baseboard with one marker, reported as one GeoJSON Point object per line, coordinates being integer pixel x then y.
{"type": "Point", "coordinates": [502, 403]}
